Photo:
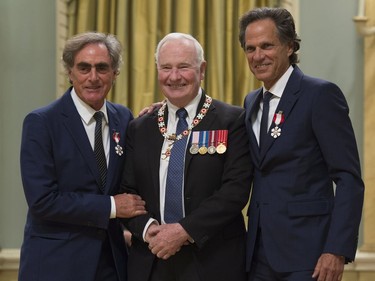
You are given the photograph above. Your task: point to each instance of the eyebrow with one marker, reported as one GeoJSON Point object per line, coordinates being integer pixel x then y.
{"type": "Point", "coordinates": [100, 64]}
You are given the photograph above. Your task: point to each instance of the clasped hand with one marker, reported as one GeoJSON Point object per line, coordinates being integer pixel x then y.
{"type": "Point", "coordinates": [167, 239]}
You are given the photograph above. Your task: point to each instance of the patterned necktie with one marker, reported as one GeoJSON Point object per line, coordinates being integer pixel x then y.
{"type": "Point", "coordinates": [173, 210]}
{"type": "Point", "coordinates": [264, 120]}
{"type": "Point", "coordinates": [99, 149]}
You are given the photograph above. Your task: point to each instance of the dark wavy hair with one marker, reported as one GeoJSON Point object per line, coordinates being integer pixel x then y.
{"type": "Point", "coordinates": [284, 24]}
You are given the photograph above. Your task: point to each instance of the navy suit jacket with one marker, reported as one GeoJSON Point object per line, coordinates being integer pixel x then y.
{"type": "Point", "coordinates": [216, 190]}
{"type": "Point", "coordinates": [68, 215]}
{"type": "Point", "coordinates": [293, 199]}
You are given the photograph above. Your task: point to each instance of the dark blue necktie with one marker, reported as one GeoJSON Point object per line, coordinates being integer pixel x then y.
{"type": "Point", "coordinates": [99, 149]}
{"type": "Point", "coordinates": [173, 210]}
{"type": "Point", "coordinates": [264, 121]}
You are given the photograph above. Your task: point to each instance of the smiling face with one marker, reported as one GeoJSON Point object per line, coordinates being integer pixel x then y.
{"type": "Point", "coordinates": [267, 57]}
{"type": "Point", "coordinates": [179, 72]}
{"type": "Point", "coordinates": [92, 74]}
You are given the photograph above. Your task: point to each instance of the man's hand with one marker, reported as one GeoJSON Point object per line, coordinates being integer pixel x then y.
{"type": "Point", "coordinates": [167, 239]}
{"type": "Point", "coordinates": [129, 205]}
{"type": "Point", "coordinates": [151, 231]}
{"type": "Point", "coordinates": [329, 268]}
{"type": "Point", "coordinates": [150, 108]}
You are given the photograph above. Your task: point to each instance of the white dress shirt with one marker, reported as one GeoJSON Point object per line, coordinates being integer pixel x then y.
{"type": "Point", "coordinates": [87, 117]}
{"type": "Point", "coordinates": [277, 91]}
{"type": "Point", "coordinates": [191, 109]}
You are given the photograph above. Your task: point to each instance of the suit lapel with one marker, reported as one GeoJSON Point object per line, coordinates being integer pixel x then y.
{"type": "Point", "coordinates": [74, 126]}
{"type": "Point", "coordinates": [114, 126]}
{"type": "Point", "coordinates": [155, 143]}
{"type": "Point", "coordinates": [288, 99]}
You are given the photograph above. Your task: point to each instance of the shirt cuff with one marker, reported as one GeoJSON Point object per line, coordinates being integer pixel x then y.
{"type": "Point", "coordinates": [113, 208]}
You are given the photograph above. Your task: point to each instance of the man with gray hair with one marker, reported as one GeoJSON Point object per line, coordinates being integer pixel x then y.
{"type": "Point", "coordinates": [189, 160]}
{"type": "Point", "coordinates": [71, 163]}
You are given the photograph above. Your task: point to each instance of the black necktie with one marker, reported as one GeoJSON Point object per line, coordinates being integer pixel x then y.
{"type": "Point", "coordinates": [173, 210]}
{"type": "Point", "coordinates": [264, 121]}
{"type": "Point", "coordinates": [99, 149]}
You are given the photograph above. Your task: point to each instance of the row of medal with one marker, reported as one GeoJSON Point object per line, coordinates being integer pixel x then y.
{"type": "Point", "coordinates": [210, 142]}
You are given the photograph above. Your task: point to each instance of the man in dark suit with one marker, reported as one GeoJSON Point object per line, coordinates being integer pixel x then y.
{"type": "Point", "coordinates": [71, 231]}
{"type": "Point", "coordinates": [205, 240]}
{"type": "Point", "coordinates": [300, 226]}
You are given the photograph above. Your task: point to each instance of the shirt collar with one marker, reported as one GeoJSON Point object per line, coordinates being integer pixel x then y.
{"type": "Point", "coordinates": [85, 111]}
{"type": "Point", "coordinates": [278, 88]}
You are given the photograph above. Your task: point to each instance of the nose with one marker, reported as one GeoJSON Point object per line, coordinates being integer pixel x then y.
{"type": "Point", "coordinates": [93, 74]}
{"type": "Point", "coordinates": [174, 74]}
{"type": "Point", "coordinates": [258, 54]}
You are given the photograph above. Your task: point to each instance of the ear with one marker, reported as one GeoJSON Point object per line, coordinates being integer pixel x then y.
{"type": "Point", "coordinates": [290, 49]}
{"type": "Point", "coordinates": [69, 73]}
{"type": "Point", "coordinates": [202, 69]}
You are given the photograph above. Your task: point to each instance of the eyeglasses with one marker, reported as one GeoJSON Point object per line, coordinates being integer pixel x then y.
{"type": "Point", "coordinates": [101, 68]}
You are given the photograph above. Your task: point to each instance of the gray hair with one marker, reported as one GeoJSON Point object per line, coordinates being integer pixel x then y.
{"type": "Point", "coordinates": [176, 36]}
{"type": "Point", "coordinates": [79, 41]}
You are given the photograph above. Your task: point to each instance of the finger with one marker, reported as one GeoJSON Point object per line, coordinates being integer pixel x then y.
{"type": "Point", "coordinates": [138, 198]}
{"type": "Point", "coordinates": [315, 273]}
{"type": "Point", "coordinates": [140, 212]}
{"type": "Point", "coordinates": [140, 204]}
{"type": "Point", "coordinates": [160, 253]}
{"type": "Point", "coordinates": [329, 277]}
{"type": "Point", "coordinates": [323, 276]}
{"type": "Point", "coordinates": [139, 207]}
{"type": "Point", "coordinates": [134, 199]}
{"type": "Point", "coordinates": [165, 257]}
{"type": "Point", "coordinates": [157, 249]}
{"type": "Point", "coordinates": [316, 270]}
{"type": "Point", "coordinates": [165, 254]}
{"type": "Point", "coordinates": [144, 111]}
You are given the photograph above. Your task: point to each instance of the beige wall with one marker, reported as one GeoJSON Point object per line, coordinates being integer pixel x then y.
{"type": "Point", "coordinates": [369, 133]}
{"type": "Point", "coordinates": [27, 81]}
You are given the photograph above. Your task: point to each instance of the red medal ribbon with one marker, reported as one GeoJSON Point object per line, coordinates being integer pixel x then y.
{"type": "Point", "coordinates": [116, 137]}
{"type": "Point", "coordinates": [224, 136]}
{"type": "Point", "coordinates": [219, 137]}
{"type": "Point", "coordinates": [278, 118]}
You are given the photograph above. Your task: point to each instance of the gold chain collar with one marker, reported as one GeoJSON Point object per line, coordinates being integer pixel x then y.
{"type": "Point", "coordinates": [197, 119]}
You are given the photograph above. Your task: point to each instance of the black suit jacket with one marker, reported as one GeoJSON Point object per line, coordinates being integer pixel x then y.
{"type": "Point", "coordinates": [216, 190]}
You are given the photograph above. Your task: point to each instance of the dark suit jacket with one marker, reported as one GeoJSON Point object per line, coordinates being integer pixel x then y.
{"type": "Point", "coordinates": [293, 198]}
{"type": "Point", "coordinates": [68, 215]}
{"type": "Point", "coordinates": [216, 190]}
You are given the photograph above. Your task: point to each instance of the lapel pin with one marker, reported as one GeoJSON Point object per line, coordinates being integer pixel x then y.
{"type": "Point", "coordinates": [118, 148]}
{"type": "Point", "coordinates": [278, 119]}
